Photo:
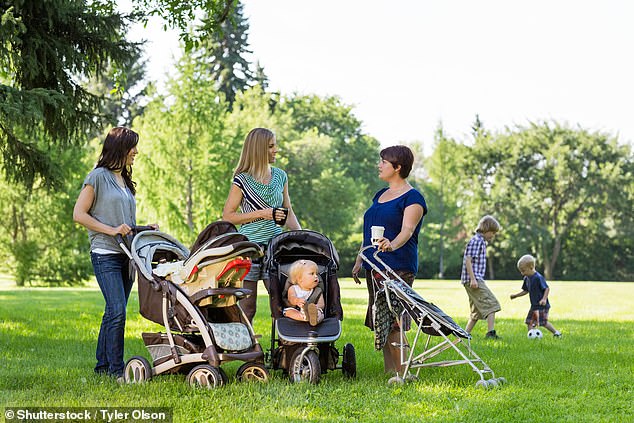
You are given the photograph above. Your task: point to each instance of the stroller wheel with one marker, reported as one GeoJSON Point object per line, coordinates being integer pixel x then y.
{"type": "Point", "coordinates": [223, 374]}
{"type": "Point", "coordinates": [349, 362]}
{"type": "Point", "coordinates": [396, 380]}
{"type": "Point", "coordinates": [205, 376]}
{"type": "Point", "coordinates": [252, 372]}
{"type": "Point", "coordinates": [306, 369]}
{"type": "Point", "coordinates": [137, 370]}
{"type": "Point", "coordinates": [484, 384]}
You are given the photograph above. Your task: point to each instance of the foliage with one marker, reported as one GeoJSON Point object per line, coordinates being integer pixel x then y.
{"type": "Point", "coordinates": [546, 180]}
{"type": "Point", "coordinates": [183, 154]}
{"type": "Point", "coordinates": [40, 242]}
{"type": "Point", "coordinates": [124, 90]}
{"type": "Point", "coordinates": [46, 47]}
{"type": "Point", "coordinates": [180, 14]}
{"type": "Point", "coordinates": [48, 339]}
{"type": "Point", "coordinates": [223, 55]}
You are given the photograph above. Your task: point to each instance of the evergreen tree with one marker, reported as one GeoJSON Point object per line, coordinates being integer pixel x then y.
{"type": "Point", "coordinates": [223, 52]}
{"type": "Point", "coordinates": [46, 48]}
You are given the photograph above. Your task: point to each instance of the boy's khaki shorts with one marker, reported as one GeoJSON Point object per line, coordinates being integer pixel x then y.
{"type": "Point", "coordinates": [482, 301]}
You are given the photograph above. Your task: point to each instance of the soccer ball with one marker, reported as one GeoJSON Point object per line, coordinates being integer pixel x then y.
{"type": "Point", "coordinates": [534, 334]}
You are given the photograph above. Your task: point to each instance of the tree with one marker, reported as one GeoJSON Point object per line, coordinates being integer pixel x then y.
{"type": "Point", "coordinates": [223, 52]}
{"type": "Point", "coordinates": [45, 48]}
{"type": "Point", "coordinates": [180, 14]}
{"type": "Point", "coordinates": [331, 159]}
{"type": "Point", "coordinates": [38, 239]}
{"type": "Point", "coordinates": [183, 153]}
{"type": "Point", "coordinates": [444, 234]}
{"type": "Point", "coordinates": [549, 182]}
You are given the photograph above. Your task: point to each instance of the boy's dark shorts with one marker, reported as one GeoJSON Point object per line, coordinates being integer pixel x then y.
{"type": "Point", "coordinates": [537, 315]}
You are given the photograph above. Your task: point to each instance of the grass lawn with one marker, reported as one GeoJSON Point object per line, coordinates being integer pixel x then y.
{"type": "Point", "coordinates": [48, 336]}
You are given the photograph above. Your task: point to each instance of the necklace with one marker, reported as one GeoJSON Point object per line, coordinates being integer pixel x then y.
{"type": "Point", "coordinates": [399, 190]}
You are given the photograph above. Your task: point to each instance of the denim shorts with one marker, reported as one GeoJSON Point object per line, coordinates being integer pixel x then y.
{"type": "Point", "coordinates": [257, 271]}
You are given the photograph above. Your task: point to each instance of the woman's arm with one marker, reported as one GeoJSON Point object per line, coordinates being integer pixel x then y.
{"type": "Point", "coordinates": [291, 221]}
{"type": "Point", "coordinates": [230, 213]}
{"type": "Point", "coordinates": [411, 216]}
{"type": "Point", "coordinates": [80, 215]}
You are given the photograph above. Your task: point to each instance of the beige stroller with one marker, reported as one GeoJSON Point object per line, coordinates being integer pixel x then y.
{"type": "Point", "coordinates": [195, 297]}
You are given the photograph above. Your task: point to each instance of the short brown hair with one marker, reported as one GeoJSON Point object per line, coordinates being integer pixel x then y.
{"type": "Point", "coordinates": [488, 224]}
{"type": "Point", "coordinates": [399, 155]}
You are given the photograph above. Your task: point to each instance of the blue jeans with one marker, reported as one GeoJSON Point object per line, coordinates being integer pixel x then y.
{"type": "Point", "coordinates": [113, 277]}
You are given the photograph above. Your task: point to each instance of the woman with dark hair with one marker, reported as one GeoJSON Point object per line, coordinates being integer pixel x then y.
{"type": "Point", "coordinates": [106, 207]}
{"type": "Point", "coordinates": [260, 191]}
{"type": "Point", "coordinates": [399, 208]}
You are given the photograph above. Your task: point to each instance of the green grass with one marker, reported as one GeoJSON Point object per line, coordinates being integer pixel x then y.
{"type": "Point", "coordinates": [47, 342]}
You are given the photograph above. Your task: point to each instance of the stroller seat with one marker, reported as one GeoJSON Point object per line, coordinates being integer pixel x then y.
{"type": "Point", "coordinates": [302, 351]}
{"type": "Point", "coordinates": [209, 268]}
{"type": "Point", "coordinates": [296, 331]}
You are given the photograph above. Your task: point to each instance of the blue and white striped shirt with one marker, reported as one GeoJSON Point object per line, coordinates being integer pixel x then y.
{"type": "Point", "coordinates": [259, 196]}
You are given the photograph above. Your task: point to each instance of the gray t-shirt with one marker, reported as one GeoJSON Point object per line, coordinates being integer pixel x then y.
{"type": "Point", "coordinates": [113, 206]}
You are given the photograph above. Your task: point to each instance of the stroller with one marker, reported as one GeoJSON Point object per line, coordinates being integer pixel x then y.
{"type": "Point", "coordinates": [395, 299]}
{"type": "Point", "coordinates": [302, 351]}
{"type": "Point", "coordinates": [195, 298]}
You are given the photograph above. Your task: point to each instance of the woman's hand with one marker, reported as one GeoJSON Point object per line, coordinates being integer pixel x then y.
{"type": "Point", "coordinates": [121, 230]}
{"type": "Point", "coordinates": [384, 244]}
{"type": "Point", "coordinates": [154, 226]}
{"type": "Point", "coordinates": [355, 272]}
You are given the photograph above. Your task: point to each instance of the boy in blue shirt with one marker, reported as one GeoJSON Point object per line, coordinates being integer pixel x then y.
{"type": "Point", "coordinates": [535, 285]}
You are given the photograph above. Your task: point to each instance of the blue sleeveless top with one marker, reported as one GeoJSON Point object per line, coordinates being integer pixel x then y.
{"type": "Point", "coordinates": [390, 216]}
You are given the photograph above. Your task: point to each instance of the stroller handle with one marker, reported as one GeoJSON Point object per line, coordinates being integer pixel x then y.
{"type": "Point", "coordinates": [386, 271]}
{"type": "Point", "coordinates": [135, 230]}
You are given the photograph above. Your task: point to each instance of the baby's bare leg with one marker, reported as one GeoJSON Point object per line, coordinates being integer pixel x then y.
{"type": "Point", "coordinates": [294, 314]}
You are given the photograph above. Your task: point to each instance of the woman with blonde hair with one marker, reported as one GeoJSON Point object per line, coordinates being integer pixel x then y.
{"type": "Point", "coordinates": [260, 192]}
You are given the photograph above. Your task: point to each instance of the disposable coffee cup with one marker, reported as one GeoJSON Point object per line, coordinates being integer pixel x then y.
{"type": "Point", "coordinates": [377, 234]}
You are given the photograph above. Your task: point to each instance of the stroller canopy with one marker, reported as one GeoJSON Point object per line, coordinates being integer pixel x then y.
{"type": "Point", "coordinates": [149, 245]}
{"type": "Point", "coordinates": [298, 242]}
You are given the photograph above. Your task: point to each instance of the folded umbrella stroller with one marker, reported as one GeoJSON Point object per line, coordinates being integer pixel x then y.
{"type": "Point", "coordinates": [395, 299]}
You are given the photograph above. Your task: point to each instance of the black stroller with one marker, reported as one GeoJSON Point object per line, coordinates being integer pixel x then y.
{"type": "Point", "coordinates": [395, 299]}
{"type": "Point", "coordinates": [195, 297]}
{"type": "Point", "coordinates": [302, 351]}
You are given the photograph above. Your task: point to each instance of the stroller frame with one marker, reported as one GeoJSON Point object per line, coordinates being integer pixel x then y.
{"type": "Point", "coordinates": [189, 343]}
{"type": "Point", "coordinates": [430, 323]}
{"type": "Point", "coordinates": [301, 351]}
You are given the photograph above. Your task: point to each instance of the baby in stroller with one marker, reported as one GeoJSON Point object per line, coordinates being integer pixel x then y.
{"type": "Point", "coordinates": [305, 297]}
{"type": "Point", "coordinates": [300, 349]}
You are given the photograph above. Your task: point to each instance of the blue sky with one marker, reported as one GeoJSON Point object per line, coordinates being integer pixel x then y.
{"type": "Point", "coordinates": [406, 65]}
